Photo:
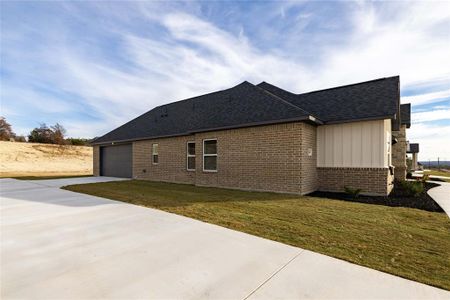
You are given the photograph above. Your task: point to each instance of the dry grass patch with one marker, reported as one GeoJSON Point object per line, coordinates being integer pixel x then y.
{"type": "Point", "coordinates": [32, 159]}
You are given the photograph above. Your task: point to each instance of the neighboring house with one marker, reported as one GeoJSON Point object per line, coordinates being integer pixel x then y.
{"type": "Point", "coordinates": [260, 137]}
{"type": "Point", "coordinates": [400, 143]}
{"type": "Point", "coordinates": [414, 150]}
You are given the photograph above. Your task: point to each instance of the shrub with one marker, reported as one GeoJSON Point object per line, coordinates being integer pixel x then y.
{"type": "Point", "coordinates": [412, 188]}
{"type": "Point", "coordinates": [20, 139]}
{"type": "Point", "coordinates": [352, 192]}
{"type": "Point", "coordinates": [77, 141]}
{"type": "Point", "coordinates": [425, 178]}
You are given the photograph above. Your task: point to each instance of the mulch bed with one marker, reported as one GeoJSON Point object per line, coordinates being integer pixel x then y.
{"type": "Point", "coordinates": [397, 198]}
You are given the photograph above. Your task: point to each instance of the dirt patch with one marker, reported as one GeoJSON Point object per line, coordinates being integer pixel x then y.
{"type": "Point", "coordinates": [398, 198]}
{"type": "Point", "coordinates": [32, 159]}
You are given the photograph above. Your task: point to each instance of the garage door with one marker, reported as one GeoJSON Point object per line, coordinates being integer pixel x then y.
{"type": "Point", "coordinates": [116, 161]}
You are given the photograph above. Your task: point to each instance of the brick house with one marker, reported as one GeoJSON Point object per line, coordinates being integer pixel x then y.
{"type": "Point", "coordinates": [263, 138]}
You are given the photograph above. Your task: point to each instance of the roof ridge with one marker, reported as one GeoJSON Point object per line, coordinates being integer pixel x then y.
{"type": "Point", "coordinates": [332, 88]}
{"type": "Point", "coordinates": [207, 94]}
{"type": "Point", "coordinates": [347, 85]}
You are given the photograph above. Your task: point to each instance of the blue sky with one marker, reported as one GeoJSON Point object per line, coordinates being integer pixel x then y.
{"type": "Point", "coordinates": [94, 65]}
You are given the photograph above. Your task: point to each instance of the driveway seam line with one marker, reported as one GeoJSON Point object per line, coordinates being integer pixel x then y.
{"type": "Point", "coordinates": [273, 275]}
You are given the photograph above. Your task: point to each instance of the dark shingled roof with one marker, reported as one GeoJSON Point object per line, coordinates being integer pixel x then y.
{"type": "Point", "coordinates": [250, 105]}
{"type": "Point", "coordinates": [413, 148]}
{"type": "Point", "coordinates": [242, 105]}
{"type": "Point", "coordinates": [405, 114]}
{"type": "Point", "coordinates": [366, 100]}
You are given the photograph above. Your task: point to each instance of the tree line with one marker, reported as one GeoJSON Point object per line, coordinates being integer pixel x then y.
{"type": "Point", "coordinates": [44, 134]}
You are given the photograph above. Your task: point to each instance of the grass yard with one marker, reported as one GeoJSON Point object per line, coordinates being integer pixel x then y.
{"type": "Point", "coordinates": [438, 173]}
{"type": "Point", "coordinates": [407, 242]}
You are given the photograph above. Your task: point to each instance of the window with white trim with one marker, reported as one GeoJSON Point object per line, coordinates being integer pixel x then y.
{"type": "Point", "coordinates": [210, 155]}
{"type": "Point", "coordinates": [155, 154]}
{"type": "Point", "coordinates": [190, 152]}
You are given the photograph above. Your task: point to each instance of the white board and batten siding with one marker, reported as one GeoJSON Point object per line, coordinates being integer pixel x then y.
{"type": "Point", "coordinates": [363, 144]}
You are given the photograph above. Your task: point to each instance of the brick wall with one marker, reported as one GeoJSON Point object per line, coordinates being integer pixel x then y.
{"type": "Point", "coordinates": [265, 158]}
{"type": "Point", "coordinates": [96, 157]}
{"type": "Point", "coordinates": [399, 153]}
{"type": "Point", "coordinates": [171, 165]}
{"type": "Point", "coordinates": [309, 163]}
{"type": "Point", "coordinates": [372, 181]}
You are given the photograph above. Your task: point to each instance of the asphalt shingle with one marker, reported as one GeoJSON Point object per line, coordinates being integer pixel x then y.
{"type": "Point", "coordinates": [242, 105]}
{"type": "Point", "coordinates": [405, 114]}
{"type": "Point", "coordinates": [366, 100]}
{"type": "Point", "coordinates": [413, 148]}
{"type": "Point", "coordinates": [250, 105]}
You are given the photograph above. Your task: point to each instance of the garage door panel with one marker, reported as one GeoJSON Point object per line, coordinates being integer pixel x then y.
{"type": "Point", "coordinates": [116, 161]}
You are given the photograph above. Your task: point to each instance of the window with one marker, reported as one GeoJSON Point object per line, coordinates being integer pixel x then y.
{"type": "Point", "coordinates": [190, 156]}
{"type": "Point", "coordinates": [210, 155]}
{"type": "Point", "coordinates": [155, 154]}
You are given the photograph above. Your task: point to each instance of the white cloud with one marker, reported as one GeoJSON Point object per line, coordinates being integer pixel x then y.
{"type": "Point", "coordinates": [426, 98]}
{"type": "Point", "coordinates": [434, 140]}
{"type": "Point", "coordinates": [402, 45]}
{"type": "Point", "coordinates": [433, 115]}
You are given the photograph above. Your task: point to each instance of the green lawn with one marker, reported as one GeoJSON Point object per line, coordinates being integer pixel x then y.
{"type": "Point", "coordinates": [438, 173]}
{"type": "Point", "coordinates": [411, 243]}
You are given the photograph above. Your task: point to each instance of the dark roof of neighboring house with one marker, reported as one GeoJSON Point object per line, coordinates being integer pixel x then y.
{"type": "Point", "coordinates": [250, 105]}
{"type": "Point", "coordinates": [413, 148]}
{"type": "Point", "coordinates": [405, 114]}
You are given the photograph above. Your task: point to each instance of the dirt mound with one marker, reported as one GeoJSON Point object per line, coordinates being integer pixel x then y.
{"type": "Point", "coordinates": [21, 159]}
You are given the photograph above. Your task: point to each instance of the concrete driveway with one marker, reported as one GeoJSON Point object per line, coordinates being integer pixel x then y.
{"type": "Point", "coordinates": [441, 194]}
{"type": "Point", "coordinates": [57, 244]}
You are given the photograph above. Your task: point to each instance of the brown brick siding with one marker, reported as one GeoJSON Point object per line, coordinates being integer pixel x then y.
{"type": "Point", "coordinates": [96, 157]}
{"type": "Point", "coordinates": [399, 153]}
{"type": "Point", "coordinates": [262, 158]}
{"type": "Point", "coordinates": [171, 165]}
{"type": "Point", "coordinates": [309, 163]}
{"type": "Point", "coordinates": [372, 181]}
{"type": "Point", "coordinates": [265, 158]}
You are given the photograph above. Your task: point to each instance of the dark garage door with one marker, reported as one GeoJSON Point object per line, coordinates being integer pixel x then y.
{"type": "Point", "coordinates": [116, 161]}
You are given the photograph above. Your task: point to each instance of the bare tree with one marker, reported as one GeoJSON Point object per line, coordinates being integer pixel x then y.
{"type": "Point", "coordinates": [6, 132]}
{"type": "Point", "coordinates": [58, 134]}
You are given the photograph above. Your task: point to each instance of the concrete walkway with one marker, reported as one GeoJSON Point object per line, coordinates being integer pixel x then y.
{"type": "Point", "coordinates": [419, 174]}
{"type": "Point", "coordinates": [441, 194]}
{"type": "Point", "coordinates": [56, 244]}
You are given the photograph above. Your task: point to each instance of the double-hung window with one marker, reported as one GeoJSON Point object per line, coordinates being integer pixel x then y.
{"type": "Point", "coordinates": [210, 155]}
{"type": "Point", "coordinates": [155, 154]}
{"type": "Point", "coordinates": [190, 156]}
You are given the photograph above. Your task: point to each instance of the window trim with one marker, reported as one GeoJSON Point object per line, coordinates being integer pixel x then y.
{"type": "Point", "coordinates": [204, 155]}
{"type": "Point", "coordinates": [190, 155]}
{"type": "Point", "coordinates": [153, 153]}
